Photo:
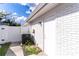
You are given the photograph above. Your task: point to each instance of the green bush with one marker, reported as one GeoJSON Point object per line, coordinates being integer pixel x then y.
{"type": "Point", "coordinates": [29, 42]}
{"type": "Point", "coordinates": [28, 39]}
{"type": "Point", "coordinates": [31, 49]}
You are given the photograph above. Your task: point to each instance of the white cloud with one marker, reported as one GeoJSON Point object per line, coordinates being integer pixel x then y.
{"type": "Point", "coordinates": [3, 11]}
{"type": "Point", "coordinates": [22, 17]}
{"type": "Point", "coordinates": [30, 4]}
{"type": "Point", "coordinates": [3, 19]}
{"type": "Point", "coordinates": [14, 16]}
{"type": "Point", "coordinates": [28, 12]}
{"type": "Point", "coordinates": [23, 4]}
{"type": "Point", "coordinates": [32, 8]}
{"type": "Point", "coordinates": [20, 20]}
{"type": "Point", "coordinates": [14, 13]}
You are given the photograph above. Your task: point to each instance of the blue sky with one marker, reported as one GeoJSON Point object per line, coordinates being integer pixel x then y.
{"type": "Point", "coordinates": [22, 10]}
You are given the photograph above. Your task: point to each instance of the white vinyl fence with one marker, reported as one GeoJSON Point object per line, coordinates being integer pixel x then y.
{"type": "Point", "coordinates": [12, 33]}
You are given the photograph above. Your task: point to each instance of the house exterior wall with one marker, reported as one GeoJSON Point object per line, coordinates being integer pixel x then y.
{"type": "Point", "coordinates": [68, 31]}
{"type": "Point", "coordinates": [61, 30]}
{"type": "Point", "coordinates": [38, 35]}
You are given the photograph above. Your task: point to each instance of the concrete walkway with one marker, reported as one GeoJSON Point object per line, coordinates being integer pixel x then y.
{"type": "Point", "coordinates": [15, 50]}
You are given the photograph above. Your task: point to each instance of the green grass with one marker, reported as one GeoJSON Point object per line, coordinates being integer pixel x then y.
{"type": "Point", "coordinates": [4, 49]}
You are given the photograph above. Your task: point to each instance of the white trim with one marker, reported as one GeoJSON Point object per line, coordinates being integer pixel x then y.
{"type": "Point", "coordinates": [41, 8]}
{"type": "Point", "coordinates": [36, 10]}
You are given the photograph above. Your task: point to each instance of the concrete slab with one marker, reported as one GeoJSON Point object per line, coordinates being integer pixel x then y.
{"type": "Point", "coordinates": [15, 50]}
{"type": "Point", "coordinates": [10, 53]}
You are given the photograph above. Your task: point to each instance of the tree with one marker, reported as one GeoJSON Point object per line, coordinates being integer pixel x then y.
{"type": "Point", "coordinates": [9, 22]}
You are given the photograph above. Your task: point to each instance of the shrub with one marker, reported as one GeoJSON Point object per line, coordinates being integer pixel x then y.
{"type": "Point", "coordinates": [32, 49]}
{"type": "Point", "coordinates": [28, 39]}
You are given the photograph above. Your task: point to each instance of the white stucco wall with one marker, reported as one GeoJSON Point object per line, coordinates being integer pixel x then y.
{"type": "Point", "coordinates": [50, 37]}
{"type": "Point", "coordinates": [38, 33]}
{"type": "Point", "coordinates": [68, 32]}
{"type": "Point", "coordinates": [61, 30]}
{"type": "Point", "coordinates": [67, 20]}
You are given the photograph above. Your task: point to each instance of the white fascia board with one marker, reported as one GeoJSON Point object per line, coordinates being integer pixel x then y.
{"type": "Point", "coordinates": [41, 8]}
{"type": "Point", "coordinates": [35, 11]}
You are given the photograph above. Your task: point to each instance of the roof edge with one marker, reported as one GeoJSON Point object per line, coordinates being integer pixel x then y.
{"type": "Point", "coordinates": [41, 9]}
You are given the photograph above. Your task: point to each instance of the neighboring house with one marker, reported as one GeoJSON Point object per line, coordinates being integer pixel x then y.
{"type": "Point", "coordinates": [56, 28]}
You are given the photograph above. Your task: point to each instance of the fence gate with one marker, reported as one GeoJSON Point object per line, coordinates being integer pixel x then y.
{"type": "Point", "coordinates": [9, 34]}
{"type": "Point", "coordinates": [3, 34]}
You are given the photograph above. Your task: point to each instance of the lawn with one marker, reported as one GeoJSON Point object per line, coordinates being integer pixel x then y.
{"type": "Point", "coordinates": [4, 48]}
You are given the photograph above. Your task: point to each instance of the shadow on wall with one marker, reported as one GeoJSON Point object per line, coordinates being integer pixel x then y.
{"type": "Point", "coordinates": [33, 39]}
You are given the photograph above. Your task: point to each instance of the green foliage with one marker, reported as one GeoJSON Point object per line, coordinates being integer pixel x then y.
{"type": "Point", "coordinates": [31, 49]}
{"type": "Point", "coordinates": [4, 48]}
{"type": "Point", "coordinates": [3, 15]}
{"type": "Point", "coordinates": [11, 23]}
{"type": "Point", "coordinates": [29, 42]}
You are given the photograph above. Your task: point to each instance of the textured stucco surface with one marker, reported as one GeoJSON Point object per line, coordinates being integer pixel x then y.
{"type": "Point", "coordinates": [61, 29]}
